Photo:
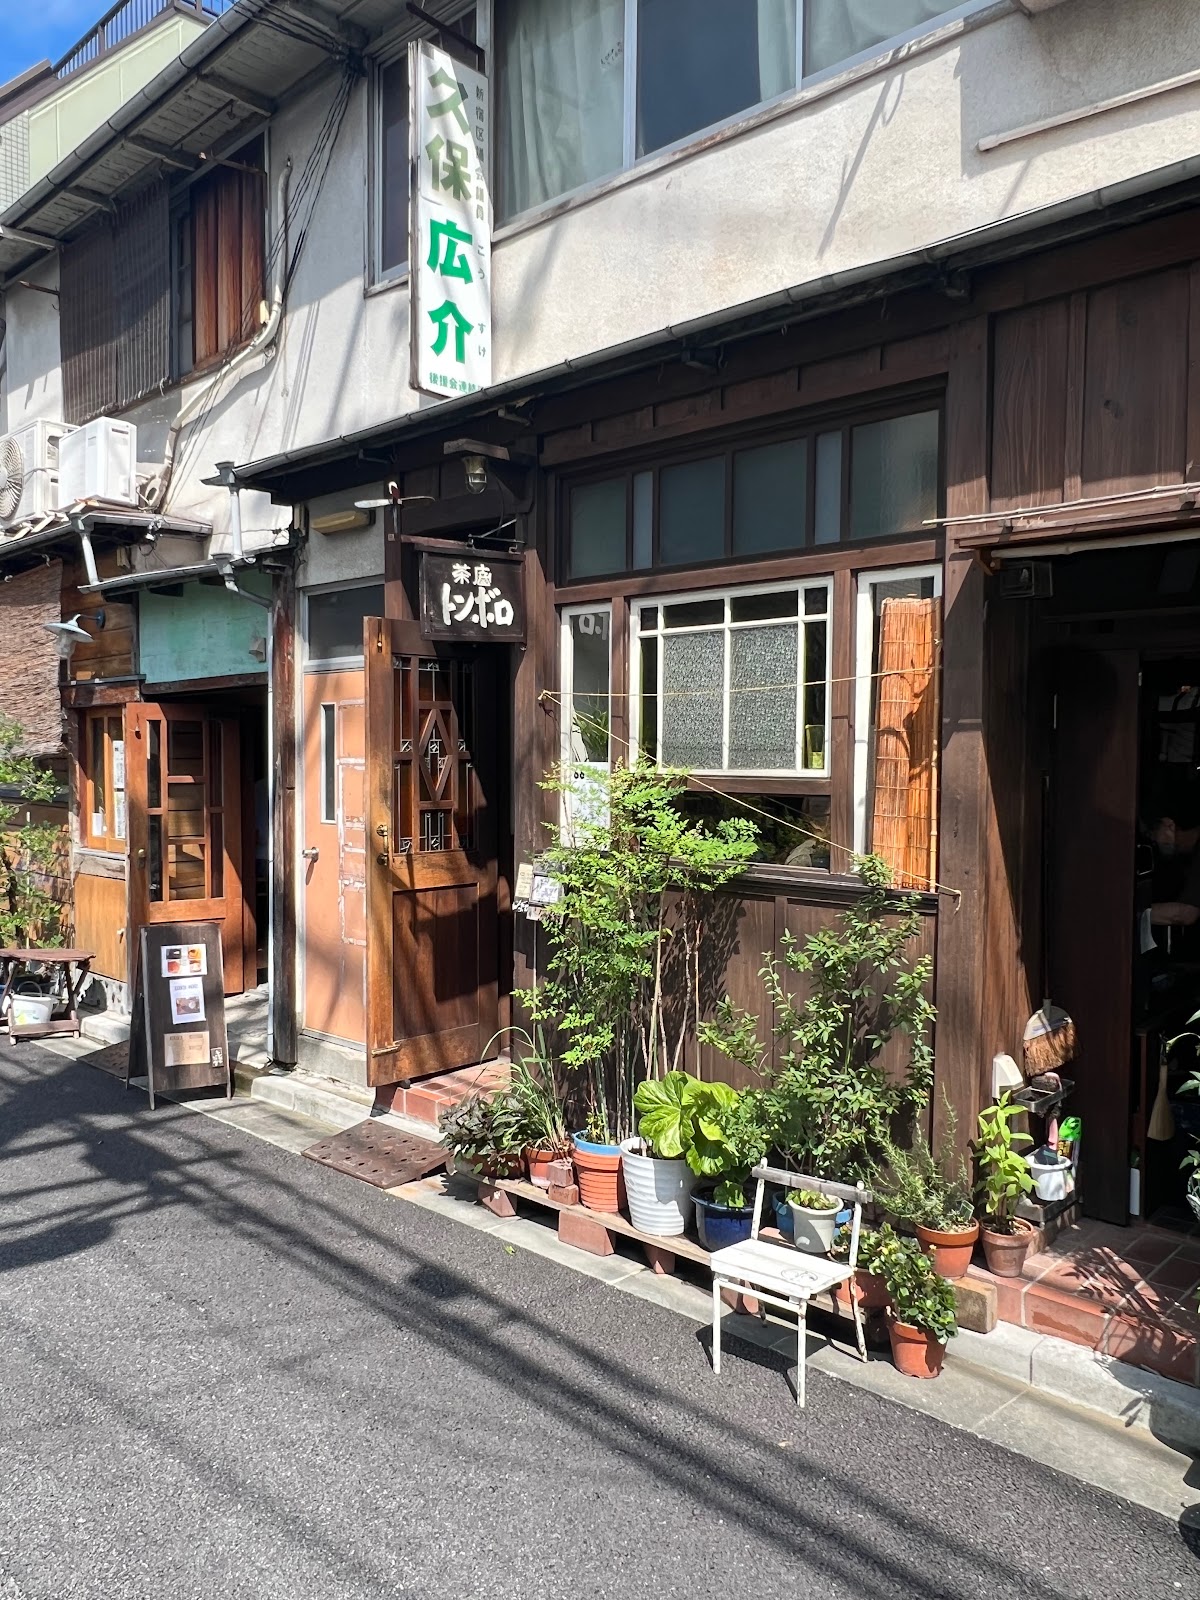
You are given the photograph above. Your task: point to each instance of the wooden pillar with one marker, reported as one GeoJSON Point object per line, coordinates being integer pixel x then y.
{"type": "Point", "coordinates": [284, 997]}
{"type": "Point", "coordinates": [964, 778]}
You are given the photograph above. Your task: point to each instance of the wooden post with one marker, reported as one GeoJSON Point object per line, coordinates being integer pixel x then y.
{"type": "Point", "coordinates": [283, 819]}
{"type": "Point", "coordinates": [965, 794]}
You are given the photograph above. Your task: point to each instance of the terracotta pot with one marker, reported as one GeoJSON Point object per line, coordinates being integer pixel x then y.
{"type": "Point", "coordinates": [868, 1288]}
{"type": "Point", "coordinates": [488, 1168]}
{"type": "Point", "coordinates": [951, 1250]}
{"type": "Point", "coordinates": [538, 1162]}
{"type": "Point", "coordinates": [916, 1354]}
{"type": "Point", "coordinates": [601, 1180]}
{"type": "Point", "coordinates": [1006, 1252]}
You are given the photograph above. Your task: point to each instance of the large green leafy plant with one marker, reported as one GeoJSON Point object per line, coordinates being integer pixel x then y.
{"type": "Point", "coordinates": [1004, 1175]}
{"type": "Point", "coordinates": [623, 978]}
{"type": "Point", "coordinates": [831, 1106]}
{"type": "Point", "coordinates": [31, 853]}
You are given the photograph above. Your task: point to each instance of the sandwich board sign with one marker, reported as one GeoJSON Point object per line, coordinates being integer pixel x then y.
{"type": "Point", "coordinates": [177, 1034]}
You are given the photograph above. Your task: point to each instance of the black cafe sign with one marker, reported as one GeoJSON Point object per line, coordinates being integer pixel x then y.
{"type": "Point", "coordinates": [474, 595]}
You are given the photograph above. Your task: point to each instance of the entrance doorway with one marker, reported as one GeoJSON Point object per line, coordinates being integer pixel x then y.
{"type": "Point", "coordinates": [196, 776]}
{"type": "Point", "coordinates": [435, 800]}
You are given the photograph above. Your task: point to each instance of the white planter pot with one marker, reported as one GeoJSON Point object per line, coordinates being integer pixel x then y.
{"type": "Point", "coordinates": [1053, 1180]}
{"type": "Point", "coordinates": [814, 1230]}
{"type": "Point", "coordinates": [659, 1192]}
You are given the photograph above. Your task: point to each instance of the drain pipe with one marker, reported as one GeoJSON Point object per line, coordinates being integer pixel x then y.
{"type": "Point", "coordinates": [155, 492]}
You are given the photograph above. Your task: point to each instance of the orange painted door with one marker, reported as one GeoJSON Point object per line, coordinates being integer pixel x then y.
{"type": "Point", "coordinates": [334, 856]}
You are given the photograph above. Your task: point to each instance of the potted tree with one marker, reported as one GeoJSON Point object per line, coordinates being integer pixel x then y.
{"type": "Point", "coordinates": [932, 1195]}
{"type": "Point", "coordinates": [814, 1220]}
{"type": "Point", "coordinates": [1003, 1179]}
{"type": "Point", "coordinates": [921, 1315]}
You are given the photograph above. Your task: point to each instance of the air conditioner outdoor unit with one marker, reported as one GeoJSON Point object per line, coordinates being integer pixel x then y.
{"type": "Point", "coordinates": [29, 468]}
{"type": "Point", "coordinates": [98, 461]}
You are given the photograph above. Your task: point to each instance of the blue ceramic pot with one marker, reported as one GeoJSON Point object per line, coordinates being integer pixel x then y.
{"type": "Point", "coordinates": [591, 1148]}
{"type": "Point", "coordinates": [719, 1226]}
{"type": "Point", "coordinates": [783, 1216]}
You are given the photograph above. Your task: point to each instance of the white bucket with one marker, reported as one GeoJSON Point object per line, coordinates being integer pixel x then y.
{"type": "Point", "coordinates": [31, 1010]}
{"type": "Point", "coordinates": [659, 1192]}
{"type": "Point", "coordinates": [1053, 1180]}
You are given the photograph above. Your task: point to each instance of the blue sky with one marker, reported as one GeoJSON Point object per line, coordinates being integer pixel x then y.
{"type": "Point", "coordinates": [31, 29]}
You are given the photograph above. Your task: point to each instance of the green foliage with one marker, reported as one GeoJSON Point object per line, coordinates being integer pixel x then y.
{"type": "Point", "coordinates": [30, 915]}
{"type": "Point", "coordinates": [831, 1106]}
{"type": "Point", "coordinates": [668, 1108]}
{"type": "Point", "coordinates": [485, 1132]}
{"type": "Point", "coordinates": [922, 1189]}
{"type": "Point", "coordinates": [635, 874]}
{"type": "Point", "coordinates": [729, 1139]}
{"type": "Point", "coordinates": [543, 1122]}
{"type": "Point", "coordinates": [917, 1294]}
{"type": "Point", "coordinates": [1003, 1175]}
{"type": "Point", "coordinates": [813, 1200]}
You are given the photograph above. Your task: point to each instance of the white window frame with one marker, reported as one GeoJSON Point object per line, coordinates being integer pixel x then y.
{"type": "Point", "coordinates": [797, 586]}
{"type": "Point", "coordinates": [631, 161]}
{"type": "Point", "coordinates": [379, 276]}
{"type": "Point", "coordinates": [566, 683]}
{"type": "Point", "coordinates": [864, 640]}
{"type": "Point", "coordinates": [348, 663]}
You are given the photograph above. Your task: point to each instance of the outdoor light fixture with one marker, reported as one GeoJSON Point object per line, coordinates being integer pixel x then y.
{"type": "Point", "coordinates": [475, 468]}
{"type": "Point", "coordinates": [68, 634]}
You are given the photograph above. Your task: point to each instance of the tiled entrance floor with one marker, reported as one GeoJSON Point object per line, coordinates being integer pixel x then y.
{"type": "Point", "coordinates": [1130, 1293]}
{"type": "Point", "coordinates": [424, 1098]}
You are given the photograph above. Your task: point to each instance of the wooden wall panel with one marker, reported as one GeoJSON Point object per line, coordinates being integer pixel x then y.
{"type": "Point", "coordinates": [739, 932]}
{"type": "Point", "coordinates": [100, 912]}
{"type": "Point", "coordinates": [1135, 390]}
{"type": "Point", "coordinates": [111, 650]}
{"type": "Point", "coordinates": [1029, 386]}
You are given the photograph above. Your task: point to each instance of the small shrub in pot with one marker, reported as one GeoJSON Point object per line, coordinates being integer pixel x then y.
{"type": "Point", "coordinates": [814, 1220]}
{"type": "Point", "coordinates": [485, 1134]}
{"type": "Point", "coordinates": [1003, 1179]}
{"type": "Point", "coordinates": [921, 1308]}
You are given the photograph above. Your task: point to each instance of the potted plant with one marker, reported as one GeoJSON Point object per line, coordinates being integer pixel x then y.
{"type": "Point", "coordinates": [921, 1314]}
{"type": "Point", "coordinates": [485, 1134]}
{"type": "Point", "coordinates": [814, 1220]}
{"type": "Point", "coordinates": [543, 1124]}
{"type": "Point", "coordinates": [727, 1141]}
{"type": "Point", "coordinates": [658, 1179]}
{"type": "Point", "coordinates": [1003, 1179]}
{"type": "Point", "coordinates": [932, 1195]}
{"type": "Point", "coordinates": [868, 1281]}
{"type": "Point", "coordinates": [598, 1167]}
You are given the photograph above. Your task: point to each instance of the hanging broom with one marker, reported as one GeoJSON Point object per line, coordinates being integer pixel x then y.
{"type": "Point", "coordinates": [1162, 1124]}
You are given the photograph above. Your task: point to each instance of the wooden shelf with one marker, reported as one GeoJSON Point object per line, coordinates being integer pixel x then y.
{"type": "Point", "coordinates": [676, 1244]}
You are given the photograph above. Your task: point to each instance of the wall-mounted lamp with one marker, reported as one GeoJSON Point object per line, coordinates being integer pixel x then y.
{"type": "Point", "coordinates": [69, 634]}
{"type": "Point", "coordinates": [475, 468]}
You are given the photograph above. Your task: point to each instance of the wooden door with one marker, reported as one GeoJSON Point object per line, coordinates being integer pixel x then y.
{"type": "Point", "coordinates": [1093, 832]}
{"type": "Point", "coordinates": [185, 823]}
{"type": "Point", "coordinates": [334, 858]}
{"type": "Point", "coordinates": [432, 809]}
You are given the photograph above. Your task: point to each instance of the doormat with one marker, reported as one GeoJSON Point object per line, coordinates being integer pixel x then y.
{"type": "Point", "coordinates": [112, 1058]}
{"type": "Point", "coordinates": [378, 1154]}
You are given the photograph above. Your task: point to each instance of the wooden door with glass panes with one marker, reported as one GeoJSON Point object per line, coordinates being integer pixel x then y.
{"type": "Point", "coordinates": [183, 775]}
{"type": "Point", "coordinates": [432, 811]}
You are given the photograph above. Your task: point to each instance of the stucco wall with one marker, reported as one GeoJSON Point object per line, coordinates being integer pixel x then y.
{"type": "Point", "coordinates": [881, 162]}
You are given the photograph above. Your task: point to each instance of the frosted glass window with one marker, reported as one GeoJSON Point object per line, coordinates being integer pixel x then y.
{"type": "Point", "coordinates": [762, 699]}
{"type": "Point", "coordinates": [691, 512]}
{"type": "Point", "coordinates": [770, 495]}
{"type": "Point", "coordinates": [837, 30]}
{"type": "Point", "coordinates": [827, 516]}
{"type": "Point", "coordinates": [693, 691]}
{"type": "Point", "coordinates": [894, 475]}
{"type": "Point", "coordinates": [598, 528]}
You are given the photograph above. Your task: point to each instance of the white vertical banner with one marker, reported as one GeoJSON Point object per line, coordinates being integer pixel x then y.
{"type": "Point", "coordinates": [450, 246]}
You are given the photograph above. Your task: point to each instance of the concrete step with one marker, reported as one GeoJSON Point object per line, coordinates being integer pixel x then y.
{"type": "Point", "coordinates": [336, 1105]}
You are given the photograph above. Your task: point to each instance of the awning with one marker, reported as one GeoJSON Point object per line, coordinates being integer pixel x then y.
{"type": "Point", "coordinates": [1164, 514]}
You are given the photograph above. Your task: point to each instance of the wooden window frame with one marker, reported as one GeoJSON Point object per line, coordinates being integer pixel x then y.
{"type": "Point", "coordinates": [100, 717]}
{"type": "Point", "coordinates": [736, 566]}
{"type": "Point", "coordinates": [210, 200]}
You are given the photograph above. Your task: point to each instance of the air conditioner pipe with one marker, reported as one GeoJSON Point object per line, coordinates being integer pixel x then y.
{"type": "Point", "coordinates": [263, 341]}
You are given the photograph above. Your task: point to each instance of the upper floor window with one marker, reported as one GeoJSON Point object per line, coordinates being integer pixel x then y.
{"type": "Point", "coordinates": [857, 481]}
{"type": "Point", "coordinates": [587, 87]}
{"type": "Point", "coordinates": [392, 173]}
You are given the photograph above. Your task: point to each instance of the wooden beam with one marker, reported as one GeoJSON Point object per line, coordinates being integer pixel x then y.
{"type": "Point", "coordinates": [284, 996]}
{"type": "Point", "coordinates": [161, 152]}
{"type": "Point", "coordinates": [243, 96]}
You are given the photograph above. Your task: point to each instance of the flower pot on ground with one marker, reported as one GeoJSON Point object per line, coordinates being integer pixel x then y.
{"type": "Point", "coordinates": [720, 1225]}
{"type": "Point", "coordinates": [598, 1170]}
{"type": "Point", "coordinates": [814, 1220]}
{"type": "Point", "coordinates": [659, 1191]}
{"type": "Point", "coordinates": [950, 1249]}
{"type": "Point", "coordinates": [1003, 1179]}
{"type": "Point", "coordinates": [921, 1309]}
{"type": "Point", "coordinates": [1005, 1252]}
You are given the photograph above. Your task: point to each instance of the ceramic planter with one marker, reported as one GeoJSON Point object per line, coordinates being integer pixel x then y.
{"type": "Point", "coordinates": [538, 1162]}
{"type": "Point", "coordinates": [868, 1288]}
{"type": "Point", "coordinates": [659, 1191]}
{"type": "Point", "coordinates": [783, 1215]}
{"type": "Point", "coordinates": [951, 1249]}
{"type": "Point", "coordinates": [1052, 1176]}
{"type": "Point", "coordinates": [813, 1230]}
{"type": "Point", "coordinates": [488, 1168]}
{"type": "Point", "coordinates": [598, 1169]}
{"type": "Point", "coordinates": [719, 1226]}
{"type": "Point", "coordinates": [1006, 1252]}
{"type": "Point", "coordinates": [917, 1354]}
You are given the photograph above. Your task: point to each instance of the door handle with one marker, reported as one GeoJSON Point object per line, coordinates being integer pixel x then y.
{"type": "Point", "coordinates": [384, 856]}
{"type": "Point", "coordinates": [311, 853]}
{"type": "Point", "coordinates": [141, 858]}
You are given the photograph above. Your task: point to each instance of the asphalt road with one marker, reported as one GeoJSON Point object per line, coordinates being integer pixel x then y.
{"type": "Point", "coordinates": [225, 1371]}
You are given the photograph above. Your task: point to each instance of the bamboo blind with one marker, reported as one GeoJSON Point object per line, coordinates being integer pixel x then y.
{"type": "Point", "coordinates": [904, 824]}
